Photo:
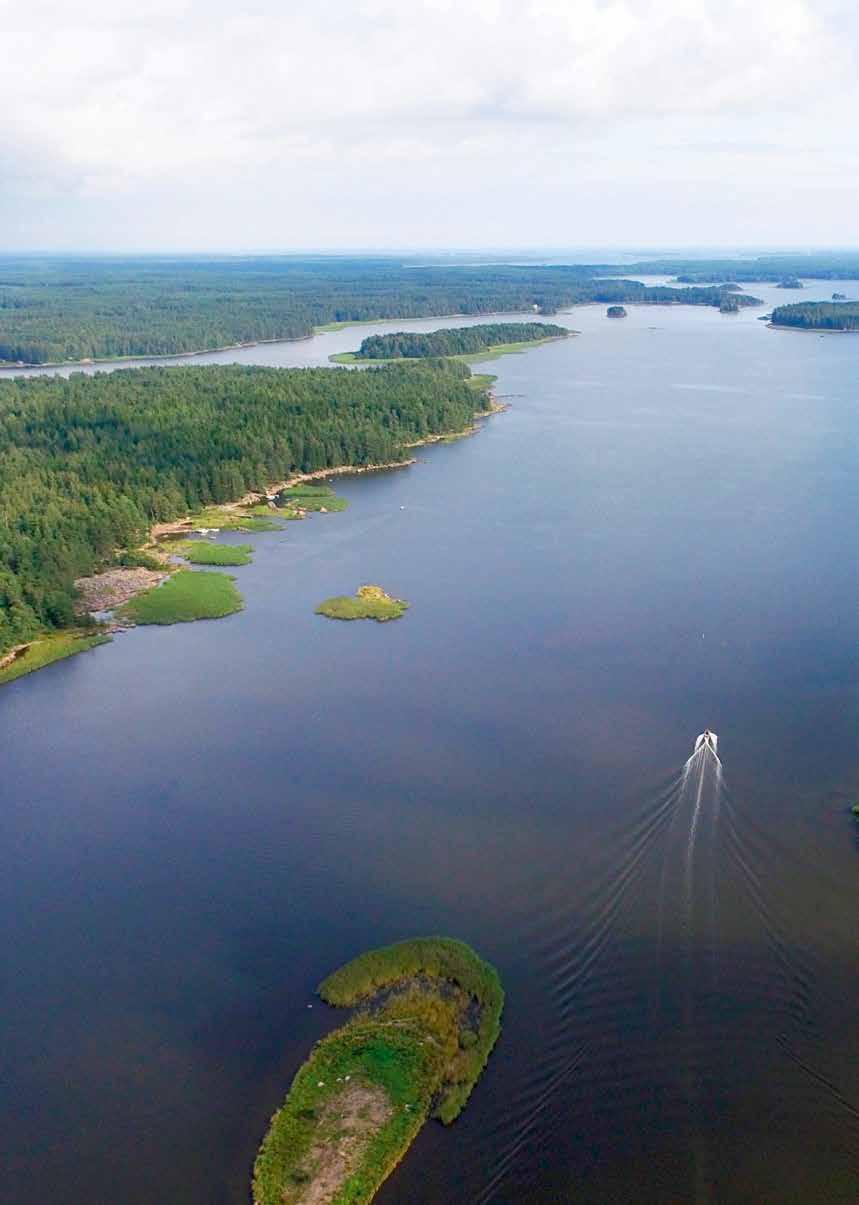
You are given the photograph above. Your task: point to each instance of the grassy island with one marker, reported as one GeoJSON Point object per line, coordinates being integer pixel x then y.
{"type": "Point", "coordinates": [301, 498]}
{"type": "Point", "coordinates": [430, 1014]}
{"type": "Point", "coordinates": [466, 342]}
{"type": "Point", "coordinates": [368, 602]}
{"type": "Point", "coordinates": [203, 552]}
{"type": "Point", "coordinates": [185, 596]}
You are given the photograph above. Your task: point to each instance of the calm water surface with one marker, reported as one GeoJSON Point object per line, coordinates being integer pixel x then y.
{"type": "Point", "coordinates": [199, 822]}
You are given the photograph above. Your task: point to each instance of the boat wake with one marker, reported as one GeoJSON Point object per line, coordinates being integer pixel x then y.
{"type": "Point", "coordinates": [673, 980]}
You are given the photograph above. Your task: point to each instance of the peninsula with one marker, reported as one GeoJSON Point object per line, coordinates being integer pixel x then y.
{"type": "Point", "coordinates": [429, 1016]}
{"type": "Point", "coordinates": [94, 468]}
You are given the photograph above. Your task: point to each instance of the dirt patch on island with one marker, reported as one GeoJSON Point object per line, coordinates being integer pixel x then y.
{"type": "Point", "coordinates": [346, 1125]}
{"type": "Point", "coordinates": [104, 591]}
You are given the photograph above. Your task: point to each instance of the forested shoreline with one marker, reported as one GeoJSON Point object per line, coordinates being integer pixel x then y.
{"type": "Point", "coordinates": [456, 341]}
{"type": "Point", "coordinates": [818, 315]}
{"type": "Point", "coordinates": [89, 463]}
{"type": "Point", "coordinates": [66, 310]}
{"type": "Point", "coordinates": [764, 268]}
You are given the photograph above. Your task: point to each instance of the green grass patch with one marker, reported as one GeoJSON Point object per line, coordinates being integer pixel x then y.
{"type": "Point", "coordinates": [311, 498]}
{"type": "Point", "coordinates": [48, 649]}
{"type": "Point", "coordinates": [412, 1049]}
{"type": "Point", "coordinates": [185, 596]}
{"type": "Point", "coordinates": [202, 552]}
{"type": "Point", "coordinates": [306, 490]}
{"type": "Point", "coordinates": [369, 602]}
{"type": "Point", "coordinates": [229, 520]}
{"type": "Point", "coordinates": [445, 960]}
{"type": "Point", "coordinates": [339, 326]}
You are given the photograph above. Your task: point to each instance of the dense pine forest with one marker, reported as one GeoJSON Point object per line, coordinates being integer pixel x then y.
{"type": "Point", "coordinates": [54, 310]}
{"type": "Point", "coordinates": [457, 341]}
{"type": "Point", "coordinates": [765, 268]}
{"type": "Point", "coordinates": [819, 315]}
{"type": "Point", "coordinates": [87, 464]}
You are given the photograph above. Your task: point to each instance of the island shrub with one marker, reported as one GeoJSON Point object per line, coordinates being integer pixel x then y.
{"type": "Point", "coordinates": [378, 1077]}
{"type": "Point", "coordinates": [369, 602]}
{"type": "Point", "coordinates": [439, 958]}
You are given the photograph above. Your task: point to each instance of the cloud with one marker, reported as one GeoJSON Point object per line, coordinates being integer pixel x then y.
{"type": "Point", "coordinates": [125, 99]}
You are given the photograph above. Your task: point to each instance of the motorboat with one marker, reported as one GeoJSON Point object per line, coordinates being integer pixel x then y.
{"type": "Point", "coordinates": [708, 740]}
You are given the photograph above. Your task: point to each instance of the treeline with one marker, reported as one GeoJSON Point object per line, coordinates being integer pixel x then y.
{"type": "Point", "coordinates": [819, 315]}
{"type": "Point", "coordinates": [456, 341]}
{"type": "Point", "coordinates": [770, 268]}
{"type": "Point", "coordinates": [54, 310]}
{"type": "Point", "coordinates": [88, 463]}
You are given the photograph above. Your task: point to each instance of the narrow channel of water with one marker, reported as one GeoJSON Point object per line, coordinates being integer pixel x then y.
{"type": "Point", "coordinates": [198, 823]}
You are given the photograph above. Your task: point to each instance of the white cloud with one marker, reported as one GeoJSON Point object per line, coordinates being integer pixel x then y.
{"type": "Point", "coordinates": [127, 101]}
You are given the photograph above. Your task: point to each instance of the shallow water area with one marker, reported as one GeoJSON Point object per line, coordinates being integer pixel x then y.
{"type": "Point", "coordinates": [198, 823]}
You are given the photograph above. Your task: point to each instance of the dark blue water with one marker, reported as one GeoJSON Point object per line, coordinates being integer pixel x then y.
{"type": "Point", "coordinates": [198, 823]}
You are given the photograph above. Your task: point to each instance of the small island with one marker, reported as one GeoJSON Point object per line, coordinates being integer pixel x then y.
{"type": "Point", "coordinates": [615, 311]}
{"type": "Point", "coordinates": [368, 602]}
{"type": "Point", "coordinates": [483, 342]}
{"type": "Point", "coordinates": [839, 296]}
{"type": "Point", "coordinates": [429, 1016]}
{"type": "Point", "coordinates": [818, 315]}
{"type": "Point", "coordinates": [790, 282]}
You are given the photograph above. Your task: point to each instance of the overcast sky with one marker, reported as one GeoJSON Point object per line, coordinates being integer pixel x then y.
{"type": "Point", "coordinates": [279, 124]}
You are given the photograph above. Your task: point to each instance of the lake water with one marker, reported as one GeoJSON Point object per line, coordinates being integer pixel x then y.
{"type": "Point", "coordinates": [199, 822]}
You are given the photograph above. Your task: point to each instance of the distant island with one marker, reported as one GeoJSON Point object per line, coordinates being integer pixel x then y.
{"type": "Point", "coordinates": [818, 315]}
{"type": "Point", "coordinates": [790, 282]}
{"type": "Point", "coordinates": [368, 602]}
{"type": "Point", "coordinates": [60, 310]}
{"type": "Point", "coordinates": [615, 311]}
{"type": "Point", "coordinates": [429, 1016]}
{"type": "Point", "coordinates": [497, 338]}
{"type": "Point", "coordinates": [839, 296]}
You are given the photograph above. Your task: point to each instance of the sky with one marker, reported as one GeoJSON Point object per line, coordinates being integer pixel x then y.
{"type": "Point", "coordinates": [391, 124]}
